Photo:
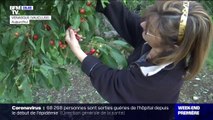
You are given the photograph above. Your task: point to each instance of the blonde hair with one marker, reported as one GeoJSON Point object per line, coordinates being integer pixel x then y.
{"type": "Point", "coordinates": [164, 17]}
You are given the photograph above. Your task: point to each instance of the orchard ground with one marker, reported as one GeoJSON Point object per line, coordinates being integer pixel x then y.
{"type": "Point", "coordinates": [199, 90]}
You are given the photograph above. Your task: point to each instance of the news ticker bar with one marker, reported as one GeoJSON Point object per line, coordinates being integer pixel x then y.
{"type": "Point", "coordinates": [120, 111]}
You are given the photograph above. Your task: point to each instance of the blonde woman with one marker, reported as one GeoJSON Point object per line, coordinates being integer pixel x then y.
{"type": "Point", "coordinates": [170, 44]}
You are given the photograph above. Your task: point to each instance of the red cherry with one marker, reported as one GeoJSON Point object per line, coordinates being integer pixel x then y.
{"type": "Point", "coordinates": [92, 51]}
{"type": "Point", "coordinates": [82, 11]}
{"type": "Point", "coordinates": [62, 46]}
{"type": "Point", "coordinates": [46, 26]}
{"type": "Point", "coordinates": [65, 46]}
{"type": "Point", "coordinates": [60, 42]}
{"type": "Point", "coordinates": [52, 42]}
{"type": "Point", "coordinates": [78, 37]}
{"type": "Point", "coordinates": [89, 3]}
{"type": "Point", "coordinates": [35, 37]}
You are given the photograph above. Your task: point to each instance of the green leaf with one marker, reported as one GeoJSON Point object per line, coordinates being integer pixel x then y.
{"type": "Point", "coordinates": [56, 2]}
{"type": "Point", "coordinates": [69, 9]}
{"type": "Point", "coordinates": [6, 38]}
{"type": "Point", "coordinates": [42, 81]}
{"type": "Point", "coordinates": [56, 35]}
{"type": "Point", "coordinates": [2, 87]}
{"type": "Point", "coordinates": [13, 93]}
{"type": "Point", "coordinates": [27, 91]}
{"type": "Point", "coordinates": [56, 56]}
{"type": "Point", "coordinates": [60, 6]}
{"type": "Point", "coordinates": [37, 29]}
{"type": "Point", "coordinates": [76, 21]}
{"type": "Point", "coordinates": [46, 33]}
{"type": "Point", "coordinates": [56, 82]}
{"type": "Point", "coordinates": [118, 57]}
{"type": "Point", "coordinates": [85, 26]}
{"type": "Point", "coordinates": [62, 35]}
{"type": "Point", "coordinates": [38, 50]}
{"type": "Point", "coordinates": [108, 60]}
{"type": "Point", "coordinates": [2, 51]}
{"type": "Point", "coordinates": [64, 76]}
{"type": "Point", "coordinates": [103, 50]}
{"type": "Point", "coordinates": [2, 75]}
{"type": "Point", "coordinates": [120, 43]}
{"type": "Point", "coordinates": [42, 45]}
{"type": "Point", "coordinates": [34, 61]}
{"type": "Point", "coordinates": [6, 66]}
{"type": "Point", "coordinates": [104, 2]}
{"type": "Point", "coordinates": [18, 48]}
{"type": "Point", "coordinates": [32, 44]}
{"type": "Point", "coordinates": [47, 71]}
{"type": "Point", "coordinates": [44, 70]}
{"type": "Point", "coordinates": [97, 21]}
{"type": "Point", "coordinates": [91, 21]}
{"type": "Point", "coordinates": [88, 10]}
{"type": "Point", "coordinates": [98, 39]}
{"type": "Point", "coordinates": [54, 26]}
{"type": "Point", "coordinates": [124, 1]}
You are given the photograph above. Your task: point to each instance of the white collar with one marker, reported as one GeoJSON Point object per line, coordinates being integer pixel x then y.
{"type": "Point", "coordinates": [151, 70]}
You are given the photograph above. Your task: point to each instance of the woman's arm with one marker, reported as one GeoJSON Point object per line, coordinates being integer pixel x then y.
{"type": "Point", "coordinates": [126, 23]}
{"type": "Point", "coordinates": [113, 85]}
{"type": "Point", "coordinates": [74, 45]}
